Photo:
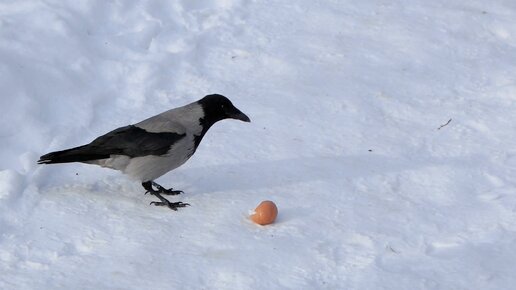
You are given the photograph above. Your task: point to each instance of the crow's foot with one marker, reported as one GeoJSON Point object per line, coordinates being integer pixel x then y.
{"type": "Point", "coordinates": [171, 205]}
{"type": "Point", "coordinates": [161, 190]}
{"type": "Point", "coordinates": [165, 191]}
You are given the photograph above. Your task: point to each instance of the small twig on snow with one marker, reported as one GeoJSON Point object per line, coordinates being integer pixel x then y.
{"type": "Point", "coordinates": [444, 124]}
{"type": "Point", "coordinates": [392, 250]}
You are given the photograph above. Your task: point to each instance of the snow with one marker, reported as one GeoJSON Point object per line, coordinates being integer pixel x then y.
{"type": "Point", "coordinates": [345, 98]}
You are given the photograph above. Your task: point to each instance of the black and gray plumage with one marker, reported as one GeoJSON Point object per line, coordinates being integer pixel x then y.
{"type": "Point", "coordinates": [155, 146]}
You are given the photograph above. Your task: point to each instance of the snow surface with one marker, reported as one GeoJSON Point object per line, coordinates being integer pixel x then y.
{"type": "Point", "coordinates": [345, 97]}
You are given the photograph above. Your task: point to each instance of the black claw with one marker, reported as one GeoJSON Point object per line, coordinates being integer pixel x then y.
{"type": "Point", "coordinates": [171, 205]}
{"type": "Point", "coordinates": [171, 191]}
{"type": "Point", "coordinates": [148, 185]}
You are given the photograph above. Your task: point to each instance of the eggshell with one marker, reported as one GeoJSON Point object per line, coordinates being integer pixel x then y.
{"type": "Point", "coordinates": [265, 213]}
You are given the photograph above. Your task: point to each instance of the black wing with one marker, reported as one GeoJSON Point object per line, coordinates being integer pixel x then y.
{"type": "Point", "coordinates": [130, 140]}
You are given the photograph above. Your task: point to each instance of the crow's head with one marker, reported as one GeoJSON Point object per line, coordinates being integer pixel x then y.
{"type": "Point", "coordinates": [217, 107]}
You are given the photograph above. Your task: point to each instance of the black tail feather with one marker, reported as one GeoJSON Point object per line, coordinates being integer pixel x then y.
{"type": "Point", "coordinates": [77, 154]}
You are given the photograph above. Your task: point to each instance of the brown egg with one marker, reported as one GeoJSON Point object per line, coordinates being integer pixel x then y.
{"type": "Point", "coordinates": [265, 213]}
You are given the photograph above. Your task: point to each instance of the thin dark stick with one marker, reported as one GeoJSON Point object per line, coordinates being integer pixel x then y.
{"type": "Point", "coordinates": [444, 124]}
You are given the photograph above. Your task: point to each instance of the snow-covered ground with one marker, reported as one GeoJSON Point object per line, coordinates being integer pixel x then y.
{"type": "Point", "coordinates": [345, 97]}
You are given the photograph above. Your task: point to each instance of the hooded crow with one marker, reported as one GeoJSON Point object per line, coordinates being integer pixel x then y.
{"type": "Point", "coordinates": [155, 146]}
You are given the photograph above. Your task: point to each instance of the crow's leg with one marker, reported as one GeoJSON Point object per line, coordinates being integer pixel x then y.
{"type": "Point", "coordinates": [165, 191]}
{"type": "Point", "coordinates": [164, 202]}
{"type": "Point", "coordinates": [159, 189]}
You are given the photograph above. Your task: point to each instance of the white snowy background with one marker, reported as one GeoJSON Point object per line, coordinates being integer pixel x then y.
{"type": "Point", "coordinates": [346, 98]}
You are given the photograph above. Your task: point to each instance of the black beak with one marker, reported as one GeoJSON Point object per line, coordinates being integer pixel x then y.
{"type": "Point", "coordinates": [238, 115]}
